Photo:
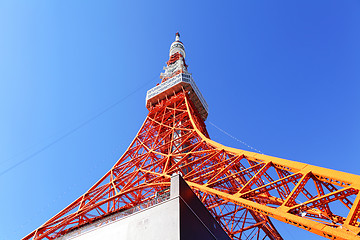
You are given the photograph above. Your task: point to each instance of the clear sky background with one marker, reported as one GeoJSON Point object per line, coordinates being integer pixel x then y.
{"type": "Point", "coordinates": [282, 76]}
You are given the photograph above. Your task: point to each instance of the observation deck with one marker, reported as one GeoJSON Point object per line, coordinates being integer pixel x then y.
{"type": "Point", "coordinates": [174, 85]}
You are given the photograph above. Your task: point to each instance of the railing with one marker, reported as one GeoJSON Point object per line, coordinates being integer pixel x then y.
{"type": "Point", "coordinates": [159, 198]}
{"type": "Point", "coordinates": [182, 77]}
{"type": "Point", "coordinates": [198, 93]}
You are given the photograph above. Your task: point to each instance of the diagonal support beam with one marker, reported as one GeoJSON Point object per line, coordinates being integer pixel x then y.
{"type": "Point", "coordinates": [270, 186]}
{"type": "Point", "coordinates": [254, 179]}
{"type": "Point", "coordinates": [315, 227]}
{"type": "Point", "coordinates": [322, 200]}
{"type": "Point", "coordinates": [354, 214]}
{"type": "Point", "coordinates": [290, 200]}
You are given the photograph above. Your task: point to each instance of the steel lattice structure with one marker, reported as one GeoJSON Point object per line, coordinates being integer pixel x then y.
{"type": "Point", "coordinates": [241, 189]}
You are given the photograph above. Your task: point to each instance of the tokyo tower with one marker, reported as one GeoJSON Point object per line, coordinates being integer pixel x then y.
{"type": "Point", "coordinates": [242, 190]}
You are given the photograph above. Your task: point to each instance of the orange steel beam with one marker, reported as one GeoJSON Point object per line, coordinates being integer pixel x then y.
{"type": "Point", "coordinates": [349, 230]}
{"type": "Point", "coordinates": [241, 189]}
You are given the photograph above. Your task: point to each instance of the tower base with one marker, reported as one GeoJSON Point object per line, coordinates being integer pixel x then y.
{"type": "Point", "coordinates": [179, 216]}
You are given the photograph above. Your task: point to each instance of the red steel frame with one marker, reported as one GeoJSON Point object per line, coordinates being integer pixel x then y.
{"type": "Point", "coordinates": [241, 189]}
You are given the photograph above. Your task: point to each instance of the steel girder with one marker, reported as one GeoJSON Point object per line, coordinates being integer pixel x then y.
{"type": "Point", "coordinates": [241, 189]}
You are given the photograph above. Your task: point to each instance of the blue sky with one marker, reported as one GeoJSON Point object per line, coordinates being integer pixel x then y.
{"type": "Point", "coordinates": [282, 76]}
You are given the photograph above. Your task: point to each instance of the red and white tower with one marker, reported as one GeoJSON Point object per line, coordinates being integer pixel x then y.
{"type": "Point", "coordinates": [240, 189]}
{"type": "Point", "coordinates": [175, 78]}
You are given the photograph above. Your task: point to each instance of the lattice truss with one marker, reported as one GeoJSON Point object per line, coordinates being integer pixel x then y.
{"type": "Point", "coordinates": [241, 189]}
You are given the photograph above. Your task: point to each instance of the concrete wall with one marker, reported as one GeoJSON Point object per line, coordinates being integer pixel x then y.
{"type": "Point", "coordinates": [158, 222]}
{"type": "Point", "coordinates": [183, 217]}
{"type": "Point", "coordinates": [195, 220]}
